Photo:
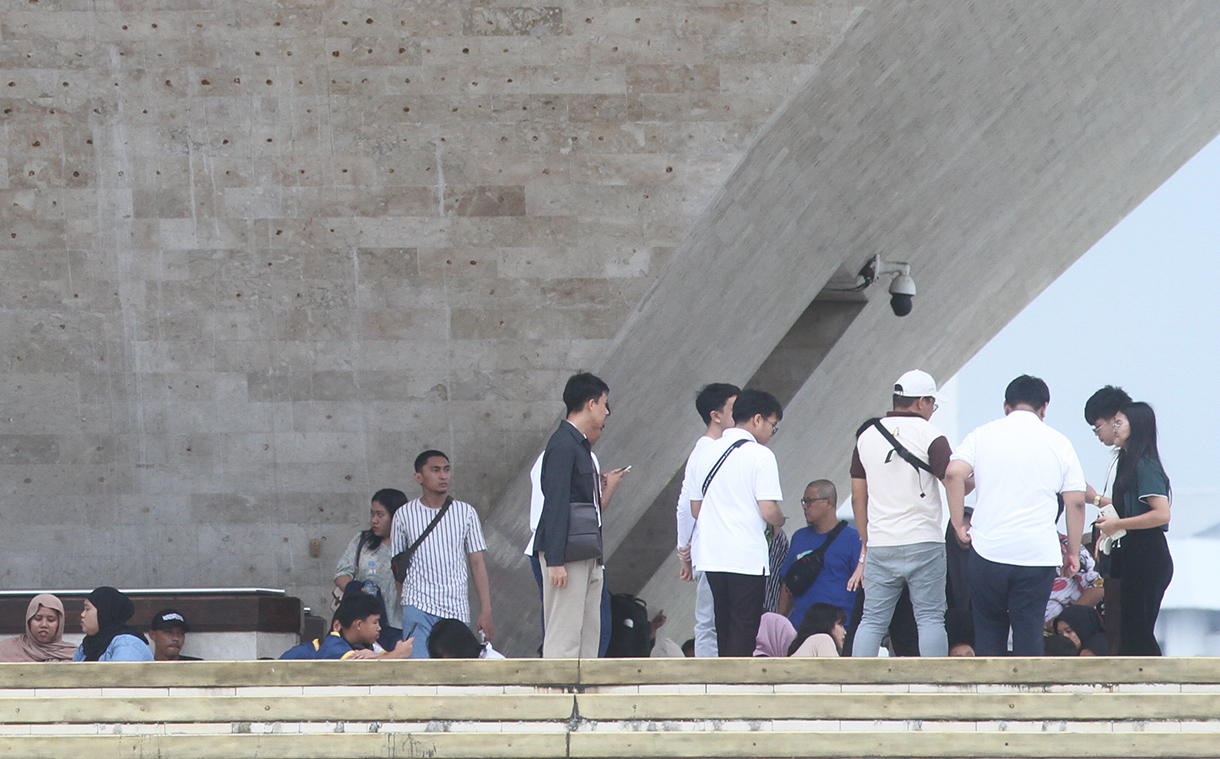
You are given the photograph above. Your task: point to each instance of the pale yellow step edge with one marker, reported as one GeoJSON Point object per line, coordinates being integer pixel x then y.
{"type": "Point", "coordinates": [295, 746]}
{"type": "Point", "coordinates": [895, 745]}
{"type": "Point", "coordinates": [656, 707]}
{"type": "Point", "coordinates": [905, 706]}
{"type": "Point", "coordinates": [1008, 670]}
{"type": "Point", "coordinates": [112, 710]}
{"type": "Point", "coordinates": [589, 673]}
{"type": "Point", "coordinates": [551, 672]}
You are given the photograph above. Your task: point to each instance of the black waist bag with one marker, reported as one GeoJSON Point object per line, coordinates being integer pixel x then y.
{"type": "Point", "coordinates": [584, 533]}
{"type": "Point", "coordinates": [805, 570]}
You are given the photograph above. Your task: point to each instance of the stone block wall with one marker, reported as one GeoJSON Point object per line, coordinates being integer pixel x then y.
{"type": "Point", "coordinates": [257, 255]}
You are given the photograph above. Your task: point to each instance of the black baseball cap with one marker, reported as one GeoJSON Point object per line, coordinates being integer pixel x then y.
{"type": "Point", "coordinates": [167, 619]}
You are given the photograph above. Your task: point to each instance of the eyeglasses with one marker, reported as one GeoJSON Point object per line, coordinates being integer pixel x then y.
{"type": "Point", "coordinates": [1097, 427]}
{"type": "Point", "coordinates": [774, 427]}
{"type": "Point", "coordinates": [807, 501]}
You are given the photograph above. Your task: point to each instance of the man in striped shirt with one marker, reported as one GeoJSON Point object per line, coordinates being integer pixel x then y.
{"type": "Point", "coordinates": [436, 584]}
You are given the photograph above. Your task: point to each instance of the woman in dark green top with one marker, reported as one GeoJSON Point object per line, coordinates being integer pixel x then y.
{"type": "Point", "coordinates": [1141, 560]}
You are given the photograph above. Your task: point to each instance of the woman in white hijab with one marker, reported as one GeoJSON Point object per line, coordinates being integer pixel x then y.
{"type": "Point", "coordinates": [43, 639]}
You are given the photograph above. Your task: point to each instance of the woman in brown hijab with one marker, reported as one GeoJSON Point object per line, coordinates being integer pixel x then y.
{"type": "Point", "coordinates": [43, 639]}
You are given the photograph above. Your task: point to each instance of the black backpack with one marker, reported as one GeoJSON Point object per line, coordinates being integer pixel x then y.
{"type": "Point", "coordinates": [630, 629]}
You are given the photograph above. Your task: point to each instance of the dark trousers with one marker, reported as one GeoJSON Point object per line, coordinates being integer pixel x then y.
{"type": "Point", "coordinates": [738, 601]}
{"type": "Point", "coordinates": [1008, 595]}
{"type": "Point", "coordinates": [1146, 568]}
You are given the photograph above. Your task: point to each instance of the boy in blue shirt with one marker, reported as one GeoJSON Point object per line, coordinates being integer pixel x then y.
{"type": "Point", "coordinates": [354, 632]}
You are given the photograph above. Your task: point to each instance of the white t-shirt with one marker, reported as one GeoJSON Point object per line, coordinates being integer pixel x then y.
{"type": "Point", "coordinates": [691, 491]}
{"type": "Point", "coordinates": [437, 581]}
{"type": "Point", "coordinates": [536, 498]}
{"type": "Point", "coordinates": [897, 515]}
{"type": "Point", "coordinates": [1020, 465]}
{"type": "Point", "coordinates": [731, 536]}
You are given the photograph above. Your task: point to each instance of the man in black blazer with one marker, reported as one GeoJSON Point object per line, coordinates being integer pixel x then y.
{"type": "Point", "coordinates": [568, 541]}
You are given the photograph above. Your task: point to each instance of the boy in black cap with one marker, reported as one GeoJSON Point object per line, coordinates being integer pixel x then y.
{"type": "Point", "coordinates": [168, 632]}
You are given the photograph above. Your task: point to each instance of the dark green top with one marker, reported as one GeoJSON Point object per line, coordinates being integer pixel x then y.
{"type": "Point", "coordinates": [1150, 480]}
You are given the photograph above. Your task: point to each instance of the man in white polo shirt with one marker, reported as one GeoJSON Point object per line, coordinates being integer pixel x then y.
{"type": "Point", "coordinates": [898, 513]}
{"type": "Point", "coordinates": [739, 481]}
{"type": "Point", "coordinates": [715, 406]}
{"type": "Point", "coordinates": [1020, 467]}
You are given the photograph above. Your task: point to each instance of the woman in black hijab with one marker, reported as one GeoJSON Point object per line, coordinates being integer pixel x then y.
{"type": "Point", "coordinates": [107, 636]}
{"type": "Point", "coordinates": [1082, 626]}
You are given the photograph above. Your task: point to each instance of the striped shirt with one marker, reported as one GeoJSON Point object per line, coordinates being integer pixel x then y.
{"type": "Point", "coordinates": [777, 552]}
{"type": "Point", "coordinates": [437, 581]}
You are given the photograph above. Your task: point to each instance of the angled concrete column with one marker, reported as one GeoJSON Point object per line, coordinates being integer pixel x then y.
{"type": "Point", "coordinates": [989, 145]}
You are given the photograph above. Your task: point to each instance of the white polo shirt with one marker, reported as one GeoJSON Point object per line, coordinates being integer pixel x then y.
{"type": "Point", "coordinates": [536, 498]}
{"type": "Point", "coordinates": [691, 490]}
{"type": "Point", "coordinates": [731, 536]}
{"type": "Point", "coordinates": [1020, 465]}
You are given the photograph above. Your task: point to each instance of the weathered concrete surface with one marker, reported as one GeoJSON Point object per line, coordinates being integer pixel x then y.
{"type": "Point", "coordinates": [257, 255]}
{"type": "Point", "coordinates": [988, 145]}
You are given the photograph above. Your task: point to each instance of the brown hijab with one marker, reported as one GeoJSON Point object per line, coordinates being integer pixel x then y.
{"type": "Point", "coordinates": [24, 647]}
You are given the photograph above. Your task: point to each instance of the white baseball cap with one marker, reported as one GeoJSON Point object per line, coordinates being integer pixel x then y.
{"type": "Point", "coordinates": [915, 384]}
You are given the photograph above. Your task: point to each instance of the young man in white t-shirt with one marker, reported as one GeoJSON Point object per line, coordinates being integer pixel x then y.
{"type": "Point", "coordinates": [1020, 467]}
{"type": "Point", "coordinates": [715, 406]}
{"type": "Point", "coordinates": [736, 502]}
{"type": "Point", "coordinates": [898, 513]}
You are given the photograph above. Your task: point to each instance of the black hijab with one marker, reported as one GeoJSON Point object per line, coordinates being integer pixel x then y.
{"type": "Point", "coordinates": [113, 611]}
{"type": "Point", "coordinates": [1087, 625]}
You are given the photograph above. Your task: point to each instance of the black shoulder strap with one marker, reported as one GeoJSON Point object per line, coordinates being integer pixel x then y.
{"type": "Point", "coordinates": [830, 538]}
{"type": "Point", "coordinates": [901, 450]}
{"type": "Point", "coordinates": [737, 444]}
{"type": "Point", "coordinates": [431, 525]}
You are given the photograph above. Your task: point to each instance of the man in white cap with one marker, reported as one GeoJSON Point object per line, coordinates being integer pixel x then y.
{"type": "Point", "coordinates": [895, 469]}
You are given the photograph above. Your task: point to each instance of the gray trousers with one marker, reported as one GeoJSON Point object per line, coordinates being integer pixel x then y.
{"type": "Point", "coordinates": [705, 619]}
{"type": "Point", "coordinates": [920, 566]}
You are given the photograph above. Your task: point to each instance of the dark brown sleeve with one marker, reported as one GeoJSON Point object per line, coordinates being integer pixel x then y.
{"type": "Point", "coordinates": [938, 456]}
{"type": "Point", "coordinates": [857, 466]}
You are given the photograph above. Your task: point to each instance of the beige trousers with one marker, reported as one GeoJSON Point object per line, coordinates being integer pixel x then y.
{"type": "Point", "coordinates": [572, 614]}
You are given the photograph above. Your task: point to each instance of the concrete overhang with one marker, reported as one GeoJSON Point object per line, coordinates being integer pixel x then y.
{"type": "Point", "coordinates": [988, 144]}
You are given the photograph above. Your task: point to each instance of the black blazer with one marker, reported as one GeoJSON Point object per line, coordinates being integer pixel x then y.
{"type": "Point", "coordinates": [567, 478]}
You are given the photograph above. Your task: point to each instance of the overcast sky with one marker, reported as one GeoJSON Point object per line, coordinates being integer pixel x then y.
{"type": "Point", "coordinates": [1139, 310]}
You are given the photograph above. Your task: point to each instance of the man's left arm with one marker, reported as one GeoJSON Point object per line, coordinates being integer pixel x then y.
{"type": "Point", "coordinates": [956, 475]}
{"type": "Point", "coordinates": [766, 484]}
{"type": "Point", "coordinates": [478, 573]}
{"type": "Point", "coordinates": [1074, 487]}
{"type": "Point", "coordinates": [770, 511]}
{"type": "Point", "coordinates": [1073, 513]}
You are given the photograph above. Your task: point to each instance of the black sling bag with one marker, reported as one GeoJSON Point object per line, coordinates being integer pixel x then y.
{"type": "Point", "coordinates": [805, 570]}
{"type": "Point", "coordinates": [402, 561]}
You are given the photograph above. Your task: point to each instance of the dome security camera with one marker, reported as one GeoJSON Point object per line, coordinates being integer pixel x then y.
{"type": "Point", "coordinates": [902, 294]}
{"type": "Point", "coordinates": [902, 287]}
